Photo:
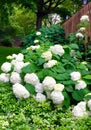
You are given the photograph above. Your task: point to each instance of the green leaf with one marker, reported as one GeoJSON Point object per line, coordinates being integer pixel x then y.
{"type": "Point", "coordinates": [66, 99]}
{"type": "Point", "coordinates": [30, 88]}
{"type": "Point", "coordinates": [56, 57]}
{"type": "Point", "coordinates": [88, 77]}
{"type": "Point", "coordinates": [68, 82]}
{"type": "Point", "coordinates": [67, 50]}
{"type": "Point", "coordinates": [82, 66]}
{"type": "Point", "coordinates": [29, 68]}
{"type": "Point", "coordinates": [63, 77]}
{"type": "Point", "coordinates": [40, 61]}
{"type": "Point", "coordinates": [69, 66]}
{"type": "Point", "coordinates": [87, 97]}
{"type": "Point", "coordinates": [74, 46]}
{"type": "Point", "coordinates": [78, 95]}
{"type": "Point", "coordinates": [69, 88]}
{"type": "Point", "coordinates": [59, 68]}
{"type": "Point", "coordinates": [88, 82]}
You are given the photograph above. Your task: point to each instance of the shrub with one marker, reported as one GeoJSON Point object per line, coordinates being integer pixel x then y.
{"type": "Point", "coordinates": [46, 71]}
{"type": "Point", "coordinates": [7, 41]}
{"type": "Point", "coordinates": [52, 34]}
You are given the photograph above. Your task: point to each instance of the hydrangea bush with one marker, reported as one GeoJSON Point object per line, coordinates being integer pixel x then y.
{"type": "Point", "coordinates": [53, 34]}
{"type": "Point", "coordinates": [47, 72]}
{"type": "Point", "coordinates": [54, 72]}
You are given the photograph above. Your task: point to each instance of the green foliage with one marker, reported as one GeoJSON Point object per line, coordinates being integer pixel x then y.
{"type": "Point", "coordinates": [6, 41]}
{"type": "Point", "coordinates": [23, 21]}
{"type": "Point", "coordinates": [30, 88]}
{"type": "Point", "coordinates": [60, 72]}
{"type": "Point", "coordinates": [30, 115]}
{"type": "Point", "coordinates": [53, 34]}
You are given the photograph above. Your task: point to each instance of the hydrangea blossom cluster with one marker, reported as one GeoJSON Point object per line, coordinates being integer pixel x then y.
{"type": "Point", "coordinates": [6, 67]}
{"type": "Point", "coordinates": [80, 109]}
{"type": "Point", "coordinates": [4, 77]}
{"type": "Point", "coordinates": [50, 64]}
{"type": "Point", "coordinates": [57, 49]}
{"type": "Point", "coordinates": [47, 55]}
{"type": "Point", "coordinates": [31, 79]}
{"type": "Point", "coordinates": [36, 41]}
{"type": "Point", "coordinates": [76, 76]}
{"type": "Point", "coordinates": [33, 47]}
{"type": "Point", "coordinates": [54, 90]}
{"type": "Point", "coordinates": [20, 91]}
{"type": "Point", "coordinates": [84, 18]}
{"type": "Point", "coordinates": [82, 29]}
{"type": "Point", "coordinates": [29, 75]}
{"type": "Point", "coordinates": [38, 33]}
{"type": "Point", "coordinates": [79, 35]}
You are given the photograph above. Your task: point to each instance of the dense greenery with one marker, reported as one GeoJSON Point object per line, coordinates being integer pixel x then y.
{"type": "Point", "coordinates": [29, 115]}
{"type": "Point", "coordinates": [53, 34]}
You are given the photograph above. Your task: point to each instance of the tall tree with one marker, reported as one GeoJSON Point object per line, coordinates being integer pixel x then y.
{"type": "Point", "coordinates": [40, 7]}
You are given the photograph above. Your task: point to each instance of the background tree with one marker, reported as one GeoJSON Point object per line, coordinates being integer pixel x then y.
{"type": "Point", "coordinates": [41, 8]}
{"type": "Point", "coordinates": [23, 21]}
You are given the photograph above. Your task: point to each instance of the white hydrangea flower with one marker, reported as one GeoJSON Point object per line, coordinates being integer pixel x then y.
{"type": "Point", "coordinates": [80, 109]}
{"type": "Point", "coordinates": [57, 49]}
{"type": "Point", "coordinates": [18, 66]}
{"type": "Point", "coordinates": [84, 17]}
{"type": "Point", "coordinates": [15, 78]}
{"type": "Point", "coordinates": [13, 62]}
{"type": "Point", "coordinates": [9, 57]}
{"type": "Point", "coordinates": [84, 62]}
{"type": "Point", "coordinates": [80, 85]}
{"type": "Point", "coordinates": [57, 97]}
{"type": "Point", "coordinates": [4, 77]}
{"type": "Point", "coordinates": [14, 55]}
{"type": "Point", "coordinates": [38, 33]}
{"type": "Point", "coordinates": [20, 91]}
{"type": "Point", "coordinates": [79, 35]}
{"type": "Point", "coordinates": [20, 57]}
{"type": "Point", "coordinates": [82, 29]}
{"type": "Point", "coordinates": [50, 64]}
{"type": "Point", "coordinates": [5, 124]}
{"type": "Point", "coordinates": [89, 104]}
{"type": "Point", "coordinates": [36, 41]}
{"type": "Point", "coordinates": [48, 83]}
{"type": "Point", "coordinates": [75, 76]}
{"type": "Point", "coordinates": [35, 47]}
{"type": "Point", "coordinates": [58, 87]}
{"type": "Point", "coordinates": [47, 55]}
{"type": "Point", "coordinates": [31, 79]}
{"type": "Point", "coordinates": [6, 67]}
{"type": "Point", "coordinates": [40, 97]}
{"type": "Point", "coordinates": [39, 88]}
{"type": "Point", "coordinates": [82, 105]}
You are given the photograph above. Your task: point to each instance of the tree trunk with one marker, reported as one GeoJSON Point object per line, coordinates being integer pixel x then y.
{"type": "Point", "coordinates": [39, 21]}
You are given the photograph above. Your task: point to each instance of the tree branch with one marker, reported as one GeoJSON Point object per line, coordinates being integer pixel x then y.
{"type": "Point", "coordinates": [50, 8]}
{"type": "Point", "coordinates": [58, 3]}
{"type": "Point", "coordinates": [47, 2]}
